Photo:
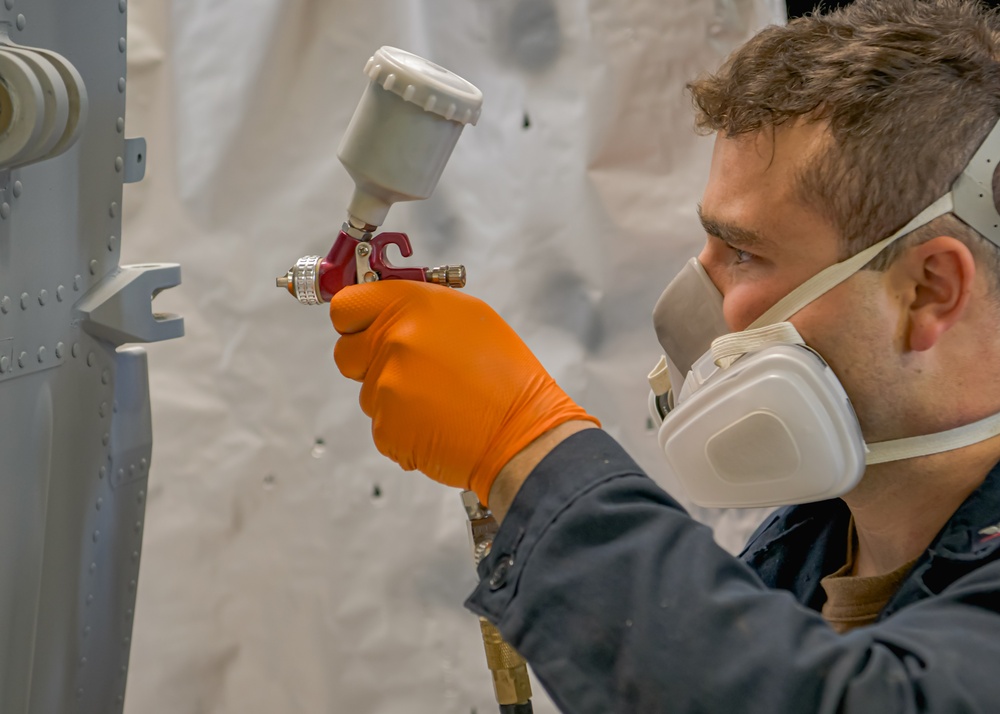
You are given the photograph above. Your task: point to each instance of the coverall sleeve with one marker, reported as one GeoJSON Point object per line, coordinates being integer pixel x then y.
{"type": "Point", "coordinates": [620, 602]}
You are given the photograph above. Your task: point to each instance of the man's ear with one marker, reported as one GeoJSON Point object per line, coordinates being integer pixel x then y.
{"type": "Point", "coordinates": [938, 275]}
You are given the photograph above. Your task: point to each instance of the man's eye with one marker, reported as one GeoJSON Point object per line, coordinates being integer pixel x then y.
{"type": "Point", "coordinates": [742, 256]}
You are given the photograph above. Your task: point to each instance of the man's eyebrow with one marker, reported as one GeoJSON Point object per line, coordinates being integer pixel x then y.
{"type": "Point", "coordinates": [730, 233]}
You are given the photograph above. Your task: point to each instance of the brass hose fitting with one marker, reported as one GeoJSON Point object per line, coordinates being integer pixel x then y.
{"type": "Point", "coordinates": [511, 683]}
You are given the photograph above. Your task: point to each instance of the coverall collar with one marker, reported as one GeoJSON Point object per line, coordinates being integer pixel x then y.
{"type": "Point", "coordinates": [797, 546]}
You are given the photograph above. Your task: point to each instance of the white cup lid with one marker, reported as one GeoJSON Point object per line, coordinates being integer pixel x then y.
{"type": "Point", "coordinates": [429, 86]}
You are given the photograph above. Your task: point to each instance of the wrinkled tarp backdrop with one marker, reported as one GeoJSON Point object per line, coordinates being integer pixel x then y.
{"type": "Point", "coordinates": [287, 566]}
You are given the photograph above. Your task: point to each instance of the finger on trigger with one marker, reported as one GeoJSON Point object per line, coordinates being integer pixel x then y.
{"type": "Point", "coordinates": [356, 307]}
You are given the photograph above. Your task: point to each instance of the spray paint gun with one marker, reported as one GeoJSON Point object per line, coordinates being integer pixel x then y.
{"type": "Point", "coordinates": [395, 148]}
{"type": "Point", "coordinates": [399, 139]}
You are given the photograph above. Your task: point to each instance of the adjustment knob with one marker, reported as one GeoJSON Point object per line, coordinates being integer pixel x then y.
{"type": "Point", "coordinates": [452, 276]}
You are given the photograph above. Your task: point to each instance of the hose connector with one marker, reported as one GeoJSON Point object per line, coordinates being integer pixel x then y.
{"type": "Point", "coordinates": [511, 683]}
{"type": "Point", "coordinates": [510, 672]}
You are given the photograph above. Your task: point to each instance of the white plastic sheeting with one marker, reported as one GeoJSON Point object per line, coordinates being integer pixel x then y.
{"type": "Point", "coordinates": [287, 566]}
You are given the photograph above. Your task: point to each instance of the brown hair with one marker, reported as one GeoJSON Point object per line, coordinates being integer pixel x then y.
{"type": "Point", "coordinates": [909, 88]}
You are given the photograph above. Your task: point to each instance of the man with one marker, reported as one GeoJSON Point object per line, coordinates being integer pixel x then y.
{"type": "Point", "coordinates": [832, 134]}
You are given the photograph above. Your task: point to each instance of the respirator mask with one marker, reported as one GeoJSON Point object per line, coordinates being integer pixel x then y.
{"type": "Point", "coordinates": [760, 419]}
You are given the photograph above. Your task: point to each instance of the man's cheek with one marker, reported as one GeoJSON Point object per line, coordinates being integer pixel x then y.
{"type": "Point", "coordinates": [742, 304]}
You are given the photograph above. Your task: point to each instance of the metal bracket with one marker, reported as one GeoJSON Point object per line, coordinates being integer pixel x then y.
{"type": "Point", "coordinates": [135, 160]}
{"type": "Point", "coordinates": [362, 258]}
{"type": "Point", "coordinates": [118, 309]}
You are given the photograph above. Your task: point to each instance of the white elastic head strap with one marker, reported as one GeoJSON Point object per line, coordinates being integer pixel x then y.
{"type": "Point", "coordinates": [829, 278]}
{"type": "Point", "coordinates": [728, 348]}
{"type": "Point", "coordinates": [970, 198]}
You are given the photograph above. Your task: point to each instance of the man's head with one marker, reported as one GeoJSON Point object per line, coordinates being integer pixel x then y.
{"type": "Point", "coordinates": [834, 132]}
{"type": "Point", "coordinates": [907, 88]}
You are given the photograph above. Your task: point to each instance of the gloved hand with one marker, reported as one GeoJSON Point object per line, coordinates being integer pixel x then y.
{"type": "Point", "coordinates": [450, 388]}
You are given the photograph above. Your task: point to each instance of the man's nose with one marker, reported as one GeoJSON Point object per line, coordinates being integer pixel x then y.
{"type": "Point", "coordinates": [712, 259]}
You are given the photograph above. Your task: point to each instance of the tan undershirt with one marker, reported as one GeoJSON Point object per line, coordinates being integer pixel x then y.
{"type": "Point", "coordinates": [853, 601]}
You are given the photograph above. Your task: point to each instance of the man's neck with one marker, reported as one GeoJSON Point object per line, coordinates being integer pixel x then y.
{"type": "Point", "coordinates": [900, 507]}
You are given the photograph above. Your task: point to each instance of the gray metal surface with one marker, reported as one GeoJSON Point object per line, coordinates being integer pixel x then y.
{"type": "Point", "coordinates": [75, 429]}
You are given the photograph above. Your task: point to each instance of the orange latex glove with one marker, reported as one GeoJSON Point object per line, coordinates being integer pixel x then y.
{"type": "Point", "coordinates": [449, 386]}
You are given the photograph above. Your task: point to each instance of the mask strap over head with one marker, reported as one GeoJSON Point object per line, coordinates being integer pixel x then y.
{"type": "Point", "coordinates": [831, 277]}
{"type": "Point", "coordinates": [728, 348]}
{"type": "Point", "coordinates": [971, 200]}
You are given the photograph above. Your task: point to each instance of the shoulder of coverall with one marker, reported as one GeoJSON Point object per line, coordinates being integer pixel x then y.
{"type": "Point", "coordinates": [796, 546]}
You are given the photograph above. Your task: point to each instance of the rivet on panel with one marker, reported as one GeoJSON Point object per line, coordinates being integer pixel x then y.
{"type": "Point", "coordinates": [121, 5]}
{"type": "Point", "coordinates": [75, 350]}
{"type": "Point", "coordinates": [77, 282]}
{"type": "Point", "coordinates": [105, 376]}
{"type": "Point", "coordinates": [121, 699]}
{"type": "Point", "coordinates": [121, 475]}
{"type": "Point", "coordinates": [114, 406]}
{"type": "Point", "coordinates": [93, 566]}
{"type": "Point", "coordinates": [102, 410]}
{"type": "Point", "coordinates": [83, 663]}
{"type": "Point", "coordinates": [97, 536]}
{"type": "Point", "coordinates": [119, 164]}
{"type": "Point", "coordinates": [105, 439]}
{"type": "Point", "coordinates": [138, 526]}
{"type": "Point", "coordinates": [121, 44]}
{"type": "Point", "coordinates": [140, 499]}
{"type": "Point", "coordinates": [128, 616]}
{"type": "Point", "coordinates": [143, 464]}
{"type": "Point", "coordinates": [113, 209]}
{"type": "Point", "coordinates": [22, 359]}
{"type": "Point", "coordinates": [100, 502]}
{"type": "Point", "coordinates": [79, 693]}
{"type": "Point", "coordinates": [90, 599]}
{"type": "Point", "coordinates": [120, 125]}
{"type": "Point", "coordinates": [21, 22]}
{"type": "Point", "coordinates": [60, 293]}
{"type": "Point", "coordinates": [25, 298]}
{"type": "Point", "coordinates": [41, 354]}
{"type": "Point", "coordinates": [86, 630]}
{"type": "Point", "coordinates": [135, 556]}
{"type": "Point", "coordinates": [18, 189]}
{"type": "Point", "coordinates": [131, 585]}
{"type": "Point", "coordinates": [112, 243]}
{"type": "Point", "coordinates": [9, 4]}
{"type": "Point", "coordinates": [93, 266]}
{"type": "Point", "coordinates": [131, 473]}
{"type": "Point", "coordinates": [4, 364]}
{"type": "Point", "coordinates": [126, 639]}
{"type": "Point", "coordinates": [121, 84]}
{"type": "Point", "coordinates": [5, 304]}
{"type": "Point", "coordinates": [5, 210]}
{"type": "Point", "coordinates": [43, 297]}
{"type": "Point", "coordinates": [60, 350]}
{"type": "Point", "coordinates": [91, 358]}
